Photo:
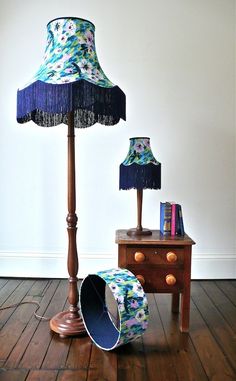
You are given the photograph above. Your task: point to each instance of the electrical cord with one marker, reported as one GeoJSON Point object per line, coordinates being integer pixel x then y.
{"type": "Point", "coordinates": [44, 318]}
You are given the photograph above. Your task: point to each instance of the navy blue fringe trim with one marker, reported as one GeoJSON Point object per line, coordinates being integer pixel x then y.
{"type": "Point", "coordinates": [140, 176]}
{"type": "Point", "coordinates": [48, 104]}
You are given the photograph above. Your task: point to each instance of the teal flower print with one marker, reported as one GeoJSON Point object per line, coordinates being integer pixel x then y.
{"type": "Point", "coordinates": [70, 54]}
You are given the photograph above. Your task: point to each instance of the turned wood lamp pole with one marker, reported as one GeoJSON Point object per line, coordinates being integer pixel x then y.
{"type": "Point", "coordinates": [139, 229]}
{"type": "Point", "coordinates": [69, 323]}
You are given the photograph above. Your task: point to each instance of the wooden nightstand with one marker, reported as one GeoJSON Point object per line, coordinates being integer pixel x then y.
{"type": "Point", "coordinates": [162, 264]}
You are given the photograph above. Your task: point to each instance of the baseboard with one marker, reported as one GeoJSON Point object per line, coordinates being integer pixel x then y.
{"type": "Point", "coordinates": [50, 265]}
{"type": "Point", "coordinates": [54, 265]}
{"type": "Point", "coordinates": [217, 266]}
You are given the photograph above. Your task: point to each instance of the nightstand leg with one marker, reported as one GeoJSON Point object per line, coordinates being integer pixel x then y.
{"type": "Point", "coordinates": [185, 312]}
{"type": "Point", "coordinates": [185, 297]}
{"type": "Point", "coordinates": [175, 303]}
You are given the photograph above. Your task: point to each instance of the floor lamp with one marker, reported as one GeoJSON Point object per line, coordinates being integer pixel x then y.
{"type": "Point", "coordinates": [70, 87]}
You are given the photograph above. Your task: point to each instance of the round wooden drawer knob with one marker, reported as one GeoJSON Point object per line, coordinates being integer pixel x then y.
{"type": "Point", "coordinates": [141, 279]}
{"type": "Point", "coordinates": [170, 279]}
{"type": "Point", "coordinates": [171, 257]}
{"type": "Point", "coordinates": [139, 257]}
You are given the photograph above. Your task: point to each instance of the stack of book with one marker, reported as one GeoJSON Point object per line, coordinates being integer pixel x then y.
{"type": "Point", "coordinates": [171, 219]}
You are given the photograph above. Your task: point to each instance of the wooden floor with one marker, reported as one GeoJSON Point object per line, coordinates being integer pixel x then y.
{"type": "Point", "coordinates": [30, 351]}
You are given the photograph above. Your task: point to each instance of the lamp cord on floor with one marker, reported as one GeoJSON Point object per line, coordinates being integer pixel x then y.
{"type": "Point", "coordinates": [44, 318]}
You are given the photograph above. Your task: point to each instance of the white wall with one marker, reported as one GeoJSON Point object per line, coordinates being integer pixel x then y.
{"type": "Point", "coordinates": [175, 60]}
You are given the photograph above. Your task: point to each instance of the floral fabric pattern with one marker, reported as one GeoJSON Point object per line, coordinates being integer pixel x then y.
{"type": "Point", "coordinates": [140, 152]}
{"type": "Point", "coordinates": [131, 302]}
{"type": "Point", "coordinates": [70, 54]}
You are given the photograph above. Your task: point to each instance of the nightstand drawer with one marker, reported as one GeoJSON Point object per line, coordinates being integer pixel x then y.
{"type": "Point", "coordinates": [159, 279]}
{"type": "Point", "coordinates": [159, 255]}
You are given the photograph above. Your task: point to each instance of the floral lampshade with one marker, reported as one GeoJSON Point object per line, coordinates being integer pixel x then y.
{"type": "Point", "coordinates": [140, 169]}
{"type": "Point", "coordinates": [107, 329]}
{"type": "Point", "coordinates": [70, 78]}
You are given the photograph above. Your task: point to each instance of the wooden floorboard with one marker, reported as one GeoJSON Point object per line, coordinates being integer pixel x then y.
{"type": "Point", "coordinates": [159, 360]}
{"type": "Point", "coordinates": [221, 301]}
{"type": "Point", "coordinates": [38, 347]}
{"type": "Point", "coordinates": [228, 288]}
{"type": "Point", "coordinates": [19, 349]}
{"type": "Point", "coordinates": [217, 325]}
{"type": "Point", "coordinates": [29, 351]}
{"type": "Point", "coordinates": [184, 357]}
{"type": "Point", "coordinates": [209, 350]}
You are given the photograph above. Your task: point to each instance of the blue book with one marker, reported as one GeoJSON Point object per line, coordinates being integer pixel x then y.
{"type": "Point", "coordinates": [165, 218]}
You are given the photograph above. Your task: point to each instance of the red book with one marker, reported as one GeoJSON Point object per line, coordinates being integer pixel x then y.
{"type": "Point", "coordinates": [173, 219]}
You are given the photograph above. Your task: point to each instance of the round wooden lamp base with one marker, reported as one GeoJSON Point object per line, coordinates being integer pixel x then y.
{"type": "Point", "coordinates": [137, 232]}
{"type": "Point", "coordinates": [67, 324]}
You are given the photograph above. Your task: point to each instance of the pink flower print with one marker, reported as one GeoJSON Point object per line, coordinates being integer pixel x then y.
{"type": "Point", "coordinates": [69, 70]}
{"type": "Point", "coordinates": [81, 40]}
{"type": "Point", "coordinates": [89, 37]}
{"type": "Point", "coordinates": [96, 76]}
{"type": "Point", "coordinates": [137, 289]}
{"type": "Point", "coordinates": [121, 307]}
{"type": "Point", "coordinates": [114, 288]}
{"type": "Point", "coordinates": [139, 147]}
{"type": "Point", "coordinates": [146, 143]}
{"type": "Point", "coordinates": [131, 322]}
{"type": "Point", "coordinates": [145, 302]}
{"type": "Point", "coordinates": [85, 66]}
{"type": "Point", "coordinates": [62, 39]}
{"type": "Point", "coordinates": [144, 324]}
{"type": "Point", "coordinates": [71, 27]}
{"type": "Point", "coordinates": [93, 78]}
{"type": "Point", "coordinates": [140, 315]}
{"type": "Point", "coordinates": [134, 304]}
{"type": "Point", "coordinates": [58, 50]}
{"type": "Point", "coordinates": [65, 80]}
{"type": "Point", "coordinates": [119, 280]}
{"type": "Point", "coordinates": [58, 66]}
{"type": "Point", "coordinates": [65, 57]}
{"type": "Point", "coordinates": [120, 299]}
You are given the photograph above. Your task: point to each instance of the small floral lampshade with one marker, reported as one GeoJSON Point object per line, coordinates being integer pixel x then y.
{"type": "Point", "coordinates": [70, 78]}
{"type": "Point", "coordinates": [140, 169]}
{"type": "Point", "coordinates": [107, 327]}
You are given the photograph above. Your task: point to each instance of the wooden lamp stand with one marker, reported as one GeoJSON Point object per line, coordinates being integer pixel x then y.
{"type": "Point", "coordinates": [69, 323]}
{"type": "Point", "coordinates": [139, 230]}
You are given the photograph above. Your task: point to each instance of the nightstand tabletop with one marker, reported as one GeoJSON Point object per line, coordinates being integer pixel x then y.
{"type": "Point", "coordinates": [154, 239]}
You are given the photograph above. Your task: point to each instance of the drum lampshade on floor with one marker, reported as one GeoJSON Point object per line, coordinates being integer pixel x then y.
{"type": "Point", "coordinates": [99, 320]}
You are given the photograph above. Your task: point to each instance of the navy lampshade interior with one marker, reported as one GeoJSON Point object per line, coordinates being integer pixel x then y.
{"type": "Point", "coordinates": [95, 315]}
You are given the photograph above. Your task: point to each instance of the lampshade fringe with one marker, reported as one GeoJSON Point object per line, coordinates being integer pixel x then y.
{"type": "Point", "coordinates": [136, 176]}
{"type": "Point", "coordinates": [47, 104]}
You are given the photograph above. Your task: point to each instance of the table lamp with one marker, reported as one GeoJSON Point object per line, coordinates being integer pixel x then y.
{"type": "Point", "coordinates": [140, 170]}
{"type": "Point", "coordinates": [70, 87]}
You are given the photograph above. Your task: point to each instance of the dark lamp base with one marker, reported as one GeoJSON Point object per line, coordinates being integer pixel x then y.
{"type": "Point", "coordinates": [67, 324]}
{"type": "Point", "coordinates": [138, 232]}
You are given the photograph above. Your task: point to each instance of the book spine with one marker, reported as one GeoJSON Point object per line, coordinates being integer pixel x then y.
{"type": "Point", "coordinates": [177, 220]}
{"type": "Point", "coordinates": [165, 218]}
{"type": "Point", "coordinates": [173, 219]}
{"type": "Point", "coordinates": [162, 205]}
{"type": "Point", "coordinates": [181, 222]}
